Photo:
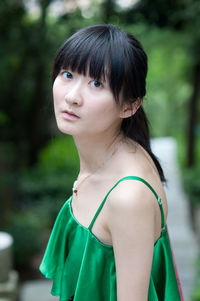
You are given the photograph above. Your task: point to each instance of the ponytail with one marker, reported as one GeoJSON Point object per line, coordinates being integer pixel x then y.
{"type": "Point", "coordinates": [136, 128]}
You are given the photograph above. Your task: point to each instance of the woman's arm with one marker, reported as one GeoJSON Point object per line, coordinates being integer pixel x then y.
{"type": "Point", "coordinates": [131, 222]}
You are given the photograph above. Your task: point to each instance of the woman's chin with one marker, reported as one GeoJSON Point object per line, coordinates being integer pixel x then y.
{"type": "Point", "coordinates": [65, 130]}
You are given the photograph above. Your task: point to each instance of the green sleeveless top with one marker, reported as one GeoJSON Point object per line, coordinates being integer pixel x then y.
{"type": "Point", "coordinates": [83, 268]}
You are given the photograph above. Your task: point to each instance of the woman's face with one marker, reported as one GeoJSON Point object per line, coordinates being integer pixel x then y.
{"type": "Point", "coordinates": [84, 106]}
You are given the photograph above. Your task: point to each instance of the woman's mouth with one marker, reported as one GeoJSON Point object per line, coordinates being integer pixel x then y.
{"type": "Point", "coordinates": [69, 115]}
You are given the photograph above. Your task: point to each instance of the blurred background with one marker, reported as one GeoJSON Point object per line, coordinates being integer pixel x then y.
{"type": "Point", "coordinates": [37, 163]}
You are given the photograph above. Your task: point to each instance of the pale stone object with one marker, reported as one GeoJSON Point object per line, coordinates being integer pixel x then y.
{"type": "Point", "coordinates": [6, 242]}
{"type": "Point", "coordinates": [9, 289]}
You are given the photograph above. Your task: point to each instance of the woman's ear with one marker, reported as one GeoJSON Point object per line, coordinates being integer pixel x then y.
{"type": "Point", "coordinates": [129, 109]}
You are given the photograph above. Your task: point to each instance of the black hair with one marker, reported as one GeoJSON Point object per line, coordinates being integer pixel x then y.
{"type": "Point", "coordinates": [105, 51]}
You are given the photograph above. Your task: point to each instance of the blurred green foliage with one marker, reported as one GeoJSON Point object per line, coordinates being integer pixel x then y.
{"type": "Point", "coordinates": [42, 190]}
{"type": "Point", "coordinates": [196, 293]}
{"type": "Point", "coordinates": [59, 154]}
{"type": "Point", "coordinates": [53, 176]}
{"type": "Point", "coordinates": [24, 228]}
{"type": "Point", "coordinates": [168, 71]}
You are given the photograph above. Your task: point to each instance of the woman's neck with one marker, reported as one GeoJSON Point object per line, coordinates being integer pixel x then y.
{"type": "Point", "coordinates": [94, 152]}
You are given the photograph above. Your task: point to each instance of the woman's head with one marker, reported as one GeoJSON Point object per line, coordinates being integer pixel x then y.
{"type": "Point", "coordinates": [105, 51]}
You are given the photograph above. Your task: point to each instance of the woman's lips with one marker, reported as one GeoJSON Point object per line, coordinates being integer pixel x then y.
{"type": "Point", "coordinates": [69, 115]}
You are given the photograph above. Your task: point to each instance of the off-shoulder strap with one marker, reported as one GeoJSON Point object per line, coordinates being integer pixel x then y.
{"type": "Point", "coordinates": [131, 178]}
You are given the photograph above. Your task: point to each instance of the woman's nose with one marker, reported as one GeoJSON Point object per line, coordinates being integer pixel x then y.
{"type": "Point", "coordinates": [74, 95]}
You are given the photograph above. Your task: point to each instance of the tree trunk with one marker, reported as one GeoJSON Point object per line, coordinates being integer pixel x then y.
{"type": "Point", "coordinates": [36, 132]}
{"type": "Point", "coordinates": [193, 116]}
{"type": "Point", "coordinates": [107, 10]}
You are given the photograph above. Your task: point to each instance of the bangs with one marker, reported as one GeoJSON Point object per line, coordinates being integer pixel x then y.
{"type": "Point", "coordinates": [103, 52]}
{"type": "Point", "coordinates": [87, 57]}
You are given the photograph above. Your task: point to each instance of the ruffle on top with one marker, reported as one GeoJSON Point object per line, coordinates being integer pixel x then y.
{"type": "Point", "coordinates": [79, 264]}
{"type": "Point", "coordinates": [164, 282]}
{"type": "Point", "coordinates": [83, 267]}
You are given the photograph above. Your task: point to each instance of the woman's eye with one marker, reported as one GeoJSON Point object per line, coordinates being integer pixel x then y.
{"type": "Point", "coordinates": [96, 84]}
{"type": "Point", "coordinates": [67, 75]}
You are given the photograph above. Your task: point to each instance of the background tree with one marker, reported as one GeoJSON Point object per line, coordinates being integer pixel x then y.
{"type": "Point", "coordinates": [108, 9]}
{"type": "Point", "coordinates": [23, 58]}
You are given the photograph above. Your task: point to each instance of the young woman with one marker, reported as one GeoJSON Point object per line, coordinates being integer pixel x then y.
{"type": "Point", "coordinates": [110, 240]}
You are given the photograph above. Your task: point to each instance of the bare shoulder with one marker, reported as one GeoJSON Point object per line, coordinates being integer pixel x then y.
{"type": "Point", "coordinates": [131, 206]}
{"type": "Point", "coordinates": [130, 193]}
{"type": "Point", "coordinates": [131, 198]}
{"type": "Point", "coordinates": [132, 201]}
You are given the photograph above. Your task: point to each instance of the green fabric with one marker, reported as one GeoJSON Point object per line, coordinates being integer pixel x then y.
{"type": "Point", "coordinates": [83, 267]}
